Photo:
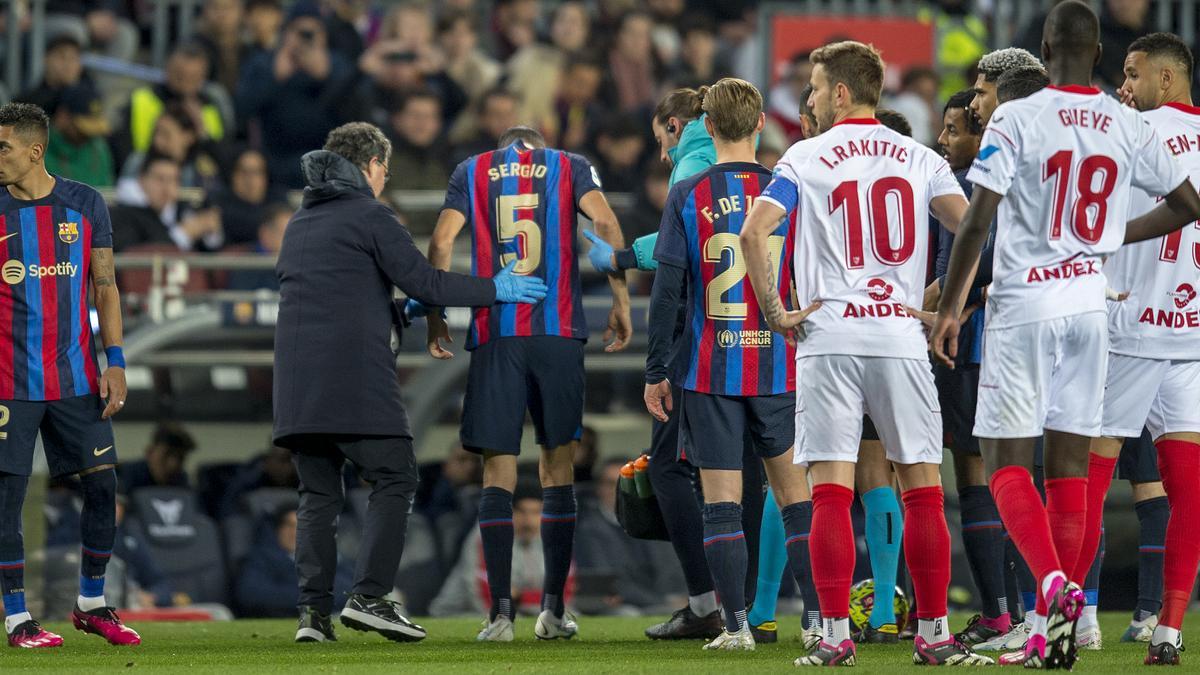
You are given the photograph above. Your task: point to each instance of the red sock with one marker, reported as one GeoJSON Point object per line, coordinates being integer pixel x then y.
{"type": "Point", "coordinates": [927, 549]}
{"type": "Point", "coordinates": [1179, 466]}
{"type": "Point", "coordinates": [1100, 474]}
{"type": "Point", "coordinates": [831, 547]}
{"type": "Point", "coordinates": [1024, 517]}
{"type": "Point", "coordinates": [1066, 507]}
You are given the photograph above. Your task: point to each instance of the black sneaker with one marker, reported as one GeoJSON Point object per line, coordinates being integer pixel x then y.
{"type": "Point", "coordinates": [314, 627]}
{"type": "Point", "coordinates": [766, 632]}
{"type": "Point", "coordinates": [685, 625]}
{"type": "Point", "coordinates": [887, 634]}
{"type": "Point", "coordinates": [1163, 654]}
{"type": "Point", "coordinates": [380, 616]}
{"type": "Point", "coordinates": [976, 632]}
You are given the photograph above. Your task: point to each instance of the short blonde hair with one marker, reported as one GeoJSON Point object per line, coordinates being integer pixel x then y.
{"type": "Point", "coordinates": [734, 107]}
{"type": "Point", "coordinates": [854, 64]}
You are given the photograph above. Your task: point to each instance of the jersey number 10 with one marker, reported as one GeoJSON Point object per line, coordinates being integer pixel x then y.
{"type": "Point", "coordinates": [900, 193]}
{"type": "Point", "coordinates": [510, 229]}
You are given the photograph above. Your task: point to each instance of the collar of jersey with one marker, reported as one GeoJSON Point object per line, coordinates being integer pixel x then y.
{"type": "Point", "coordinates": [1074, 89]}
{"type": "Point", "coordinates": [858, 120]}
{"type": "Point", "coordinates": [1189, 109]}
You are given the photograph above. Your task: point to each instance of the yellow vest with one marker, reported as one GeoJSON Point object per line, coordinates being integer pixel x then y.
{"type": "Point", "coordinates": [959, 41]}
{"type": "Point", "coordinates": [145, 107]}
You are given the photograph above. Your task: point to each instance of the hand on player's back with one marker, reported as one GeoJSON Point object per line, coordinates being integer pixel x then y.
{"type": "Point", "coordinates": [790, 324]}
{"type": "Point", "coordinates": [513, 288]}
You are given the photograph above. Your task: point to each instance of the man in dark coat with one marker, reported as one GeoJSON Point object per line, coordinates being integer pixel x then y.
{"type": "Point", "coordinates": [336, 395]}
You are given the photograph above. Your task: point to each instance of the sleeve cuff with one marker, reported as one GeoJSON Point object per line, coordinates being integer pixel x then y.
{"type": "Point", "coordinates": [626, 259]}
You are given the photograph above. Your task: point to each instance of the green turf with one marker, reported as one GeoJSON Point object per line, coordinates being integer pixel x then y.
{"type": "Point", "coordinates": [604, 645]}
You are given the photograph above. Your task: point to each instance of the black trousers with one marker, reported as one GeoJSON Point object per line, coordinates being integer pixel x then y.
{"type": "Point", "coordinates": [389, 466]}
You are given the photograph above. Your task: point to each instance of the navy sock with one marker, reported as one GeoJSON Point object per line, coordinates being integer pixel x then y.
{"type": "Point", "coordinates": [1152, 517]}
{"type": "Point", "coordinates": [983, 541]}
{"type": "Point", "coordinates": [496, 533]}
{"type": "Point", "coordinates": [558, 538]}
{"type": "Point", "coordinates": [98, 529]}
{"type": "Point", "coordinates": [12, 544]}
{"type": "Point", "coordinates": [676, 495]}
{"type": "Point", "coordinates": [1012, 591]}
{"type": "Point", "coordinates": [884, 530]}
{"type": "Point", "coordinates": [797, 523]}
{"type": "Point", "coordinates": [725, 549]}
{"type": "Point", "coordinates": [1026, 584]}
{"type": "Point", "coordinates": [1091, 585]}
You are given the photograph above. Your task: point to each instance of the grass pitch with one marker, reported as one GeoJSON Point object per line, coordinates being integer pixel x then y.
{"type": "Point", "coordinates": [604, 645]}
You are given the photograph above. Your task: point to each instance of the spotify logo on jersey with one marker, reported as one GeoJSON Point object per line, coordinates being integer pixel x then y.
{"type": "Point", "coordinates": [13, 272]}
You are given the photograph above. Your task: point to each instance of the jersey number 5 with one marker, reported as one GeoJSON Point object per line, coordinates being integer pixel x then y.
{"type": "Point", "coordinates": [882, 193]}
{"type": "Point", "coordinates": [714, 250]}
{"type": "Point", "coordinates": [1088, 196]}
{"type": "Point", "coordinates": [524, 233]}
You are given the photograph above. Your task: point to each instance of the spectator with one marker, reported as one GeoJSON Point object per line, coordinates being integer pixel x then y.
{"type": "Point", "coordinates": [184, 85]}
{"type": "Point", "coordinates": [514, 26]}
{"type": "Point", "coordinates": [646, 215]}
{"type": "Point", "coordinates": [266, 585]}
{"type": "Point", "coordinates": [620, 146]}
{"type": "Point", "coordinates": [408, 27]}
{"type": "Point", "coordinates": [631, 64]}
{"type": "Point", "coordinates": [697, 64]}
{"type": "Point", "coordinates": [220, 34]}
{"type": "Point", "coordinates": [352, 24]}
{"type": "Point", "coordinates": [243, 204]}
{"type": "Point", "coordinates": [571, 27]}
{"type": "Point", "coordinates": [177, 136]}
{"type": "Point", "coordinates": [164, 463]}
{"type": "Point", "coordinates": [78, 143]}
{"type": "Point", "coordinates": [396, 75]}
{"type": "Point", "coordinates": [785, 100]}
{"type": "Point", "coordinates": [270, 238]}
{"type": "Point", "coordinates": [152, 214]}
{"type": "Point", "coordinates": [294, 95]}
{"type": "Point", "coordinates": [99, 24]}
{"type": "Point", "coordinates": [271, 469]}
{"type": "Point", "coordinates": [496, 114]}
{"type": "Point", "coordinates": [264, 21]}
{"type": "Point", "coordinates": [1121, 22]}
{"type": "Point", "coordinates": [418, 157]}
{"type": "Point", "coordinates": [465, 590]}
{"type": "Point", "coordinates": [646, 576]}
{"type": "Point", "coordinates": [960, 37]}
{"type": "Point", "coordinates": [670, 23]}
{"type": "Point", "coordinates": [466, 64]}
{"type": "Point", "coordinates": [916, 102]}
{"type": "Point", "coordinates": [452, 503]}
{"type": "Point", "coordinates": [63, 68]}
{"type": "Point", "coordinates": [578, 105]}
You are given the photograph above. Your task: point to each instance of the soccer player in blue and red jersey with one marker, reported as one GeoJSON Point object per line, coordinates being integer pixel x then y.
{"type": "Point", "coordinates": [56, 237]}
{"type": "Point", "coordinates": [521, 203]}
{"type": "Point", "coordinates": [738, 376]}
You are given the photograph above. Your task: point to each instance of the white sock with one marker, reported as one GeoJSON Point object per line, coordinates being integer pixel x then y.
{"type": "Point", "coordinates": [704, 604]}
{"type": "Point", "coordinates": [1049, 579]}
{"type": "Point", "coordinates": [934, 631]}
{"type": "Point", "coordinates": [1039, 624]}
{"type": "Point", "coordinates": [1088, 619]}
{"type": "Point", "coordinates": [88, 604]}
{"type": "Point", "coordinates": [11, 622]}
{"type": "Point", "coordinates": [1165, 634]}
{"type": "Point", "coordinates": [836, 631]}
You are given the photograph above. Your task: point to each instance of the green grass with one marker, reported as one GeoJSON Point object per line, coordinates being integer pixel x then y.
{"type": "Point", "coordinates": [605, 645]}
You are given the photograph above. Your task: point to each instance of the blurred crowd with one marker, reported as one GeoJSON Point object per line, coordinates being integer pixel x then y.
{"type": "Point", "coordinates": [227, 535]}
{"type": "Point", "coordinates": [260, 82]}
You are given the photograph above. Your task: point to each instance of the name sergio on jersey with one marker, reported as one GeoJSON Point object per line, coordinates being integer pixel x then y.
{"type": "Point", "coordinates": [864, 148]}
{"type": "Point", "coordinates": [14, 271]}
{"type": "Point", "coordinates": [515, 170]}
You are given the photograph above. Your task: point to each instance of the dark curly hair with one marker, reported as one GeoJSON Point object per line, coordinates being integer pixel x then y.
{"type": "Point", "coordinates": [29, 121]}
{"type": "Point", "coordinates": [359, 142]}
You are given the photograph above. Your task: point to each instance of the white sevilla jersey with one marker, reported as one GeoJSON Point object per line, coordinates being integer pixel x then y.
{"type": "Point", "coordinates": [1064, 159]}
{"type": "Point", "coordinates": [1161, 317]}
{"type": "Point", "coordinates": [862, 243]}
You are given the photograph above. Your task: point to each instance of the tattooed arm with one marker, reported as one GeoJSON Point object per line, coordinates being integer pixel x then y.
{"type": "Point", "coordinates": [108, 306]}
{"type": "Point", "coordinates": [763, 219]}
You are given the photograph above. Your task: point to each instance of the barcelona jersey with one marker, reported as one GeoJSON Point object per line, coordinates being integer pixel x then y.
{"type": "Point", "coordinates": [521, 205]}
{"type": "Point", "coordinates": [727, 347]}
{"type": "Point", "coordinates": [47, 351]}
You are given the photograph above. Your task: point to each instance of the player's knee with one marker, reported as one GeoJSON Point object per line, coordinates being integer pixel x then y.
{"type": "Point", "coordinates": [99, 486]}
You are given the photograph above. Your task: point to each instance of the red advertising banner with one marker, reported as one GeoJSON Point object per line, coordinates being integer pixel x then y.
{"type": "Point", "coordinates": [904, 42]}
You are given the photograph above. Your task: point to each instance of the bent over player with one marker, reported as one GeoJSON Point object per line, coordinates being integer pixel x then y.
{"type": "Point", "coordinates": [56, 238]}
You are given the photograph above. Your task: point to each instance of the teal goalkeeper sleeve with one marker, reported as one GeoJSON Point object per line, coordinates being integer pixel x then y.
{"type": "Point", "coordinates": [640, 255]}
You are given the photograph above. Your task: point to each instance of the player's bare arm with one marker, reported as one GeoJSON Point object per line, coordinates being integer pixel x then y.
{"type": "Point", "coordinates": [441, 251]}
{"type": "Point", "coordinates": [949, 210]}
{"type": "Point", "coordinates": [763, 219]}
{"type": "Point", "coordinates": [108, 306]}
{"type": "Point", "coordinates": [1180, 207]}
{"type": "Point", "coordinates": [968, 242]}
{"type": "Point", "coordinates": [620, 326]}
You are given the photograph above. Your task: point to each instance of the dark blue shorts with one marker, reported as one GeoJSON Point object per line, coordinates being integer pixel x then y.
{"type": "Point", "coordinates": [1138, 462]}
{"type": "Point", "coordinates": [713, 427]}
{"type": "Point", "coordinates": [542, 374]}
{"type": "Point", "coordinates": [74, 436]}
{"type": "Point", "coordinates": [958, 392]}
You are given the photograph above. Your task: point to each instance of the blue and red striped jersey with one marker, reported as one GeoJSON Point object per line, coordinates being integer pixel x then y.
{"type": "Point", "coordinates": [522, 205]}
{"type": "Point", "coordinates": [47, 351]}
{"type": "Point", "coordinates": [727, 347]}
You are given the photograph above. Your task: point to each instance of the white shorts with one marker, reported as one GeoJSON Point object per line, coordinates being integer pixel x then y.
{"type": "Point", "coordinates": [1163, 396]}
{"type": "Point", "coordinates": [1043, 375]}
{"type": "Point", "coordinates": [833, 392]}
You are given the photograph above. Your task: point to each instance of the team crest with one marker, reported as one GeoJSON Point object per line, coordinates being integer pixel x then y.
{"type": "Point", "coordinates": [68, 232]}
